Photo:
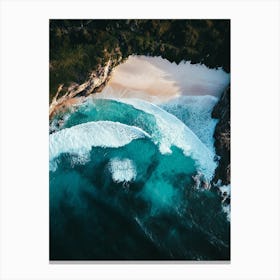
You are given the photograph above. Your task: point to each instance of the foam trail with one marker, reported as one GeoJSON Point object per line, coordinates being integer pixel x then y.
{"type": "Point", "coordinates": [195, 112]}
{"type": "Point", "coordinates": [81, 138]}
{"type": "Point", "coordinates": [171, 131]}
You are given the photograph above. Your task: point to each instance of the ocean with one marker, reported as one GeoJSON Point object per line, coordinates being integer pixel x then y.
{"type": "Point", "coordinates": [123, 181]}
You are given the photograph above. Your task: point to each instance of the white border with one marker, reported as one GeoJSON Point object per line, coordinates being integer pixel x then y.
{"type": "Point", "coordinates": [24, 138]}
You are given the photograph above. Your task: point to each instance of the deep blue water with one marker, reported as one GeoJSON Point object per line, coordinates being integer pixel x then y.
{"type": "Point", "coordinates": [132, 201]}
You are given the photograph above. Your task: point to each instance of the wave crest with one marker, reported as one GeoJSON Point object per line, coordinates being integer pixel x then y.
{"type": "Point", "coordinates": [81, 138]}
{"type": "Point", "coordinates": [171, 131]}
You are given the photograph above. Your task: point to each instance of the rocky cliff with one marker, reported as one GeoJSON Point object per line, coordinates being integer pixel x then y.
{"type": "Point", "coordinates": [78, 47]}
{"type": "Point", "coordinates": [222, 137]}
{"type": "Point", "coordinates": [84, 52]}
{"type": "Point", "coordinates": [95, 82]}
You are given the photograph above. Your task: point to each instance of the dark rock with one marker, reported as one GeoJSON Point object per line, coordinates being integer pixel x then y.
{"type": "Point", "coordinates": [221, 111]}
{"type": "Point", "coordinates": [227, 201]}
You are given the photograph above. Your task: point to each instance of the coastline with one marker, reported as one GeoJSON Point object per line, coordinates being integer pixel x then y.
{"type": "Point", "coordinates": [153, 79]}
{"type": "Point", "coordinates": [131, 145]}
{"type": "Point", "coordinates": [156, 80]}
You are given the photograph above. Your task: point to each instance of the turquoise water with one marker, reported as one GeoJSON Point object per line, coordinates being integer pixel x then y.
{"type": "Point", "coordinates": [132, 201]}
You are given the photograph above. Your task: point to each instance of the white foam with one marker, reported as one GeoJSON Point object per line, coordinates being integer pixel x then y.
{"type": "Point", "coordinates": [225, 189]}
{"type": "Point", "coordinates": [171, 131]}
{"type": "Point", "coordinates": [226, 209]}
{"type": "Point", "coordinates": [81, 138]}
{"type": "Point", "coordinates": [195, 112]}
{"type": "Point", "coordinates": [225, 193]}
{"type": "Point", "coordinates": [157, 80]}
{"type": "Point", "coordinates": [122, 170]}
{"type": "Point", "coordinates": [80, 159]}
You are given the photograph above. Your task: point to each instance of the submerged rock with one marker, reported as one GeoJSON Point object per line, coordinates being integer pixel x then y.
{"type": "Point", "coordinates": [221, 111]}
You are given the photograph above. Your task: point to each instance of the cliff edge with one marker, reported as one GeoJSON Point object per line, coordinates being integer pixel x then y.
{"type": "Point", "coordinates": [221, 111]}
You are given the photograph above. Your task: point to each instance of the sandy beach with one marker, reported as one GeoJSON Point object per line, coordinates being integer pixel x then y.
{"type": "Point", "coordinates": [157, 80]}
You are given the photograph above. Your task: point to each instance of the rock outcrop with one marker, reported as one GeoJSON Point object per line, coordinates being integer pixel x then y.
{"type": "Point", "coordinates": [221, 111]}
{"type": "Point", "coordinates": [96, 81]}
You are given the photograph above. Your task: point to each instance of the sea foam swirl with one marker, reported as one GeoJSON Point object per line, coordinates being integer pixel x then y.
{"type": "Point", "coordinates": [81, 138]}
{"type": "Point", "coordinates": [170, 131]}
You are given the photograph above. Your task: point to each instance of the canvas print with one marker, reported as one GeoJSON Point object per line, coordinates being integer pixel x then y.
{"type": "Point", "coordinates": [139, 140]}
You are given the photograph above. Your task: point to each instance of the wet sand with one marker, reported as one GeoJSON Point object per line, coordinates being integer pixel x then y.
{"type": "Point", "coordinates": [157, 80]}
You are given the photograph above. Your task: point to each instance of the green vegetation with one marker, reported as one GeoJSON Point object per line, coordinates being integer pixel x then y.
{"type": "Point", "coordinates": [79, 46]}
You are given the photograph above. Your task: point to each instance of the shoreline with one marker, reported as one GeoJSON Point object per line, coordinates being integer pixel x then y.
{"type": "Point", "coordinates": [158, 81]}
{"type": "Point", "coordinates": [153, 79]}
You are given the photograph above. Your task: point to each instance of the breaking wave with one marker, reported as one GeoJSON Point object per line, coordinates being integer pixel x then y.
{"type": "Point", "coordinates": [81, 138]}
{"type": "Point", "coordinates": [174, 132]}
{"type": "Point", "coordinates": [127, 167]}
{"type": "Point", "coordinates": [129, 179]}
{"type": "Point", "coordinates": [195, 112]}
{"type": "Point", "coordinates": [164, 128]}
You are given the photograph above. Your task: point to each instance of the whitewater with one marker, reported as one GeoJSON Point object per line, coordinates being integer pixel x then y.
{"type": "Point", "coordinates": [124, 164]}
{"type": "Point", "coordinates": [81, 138]}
